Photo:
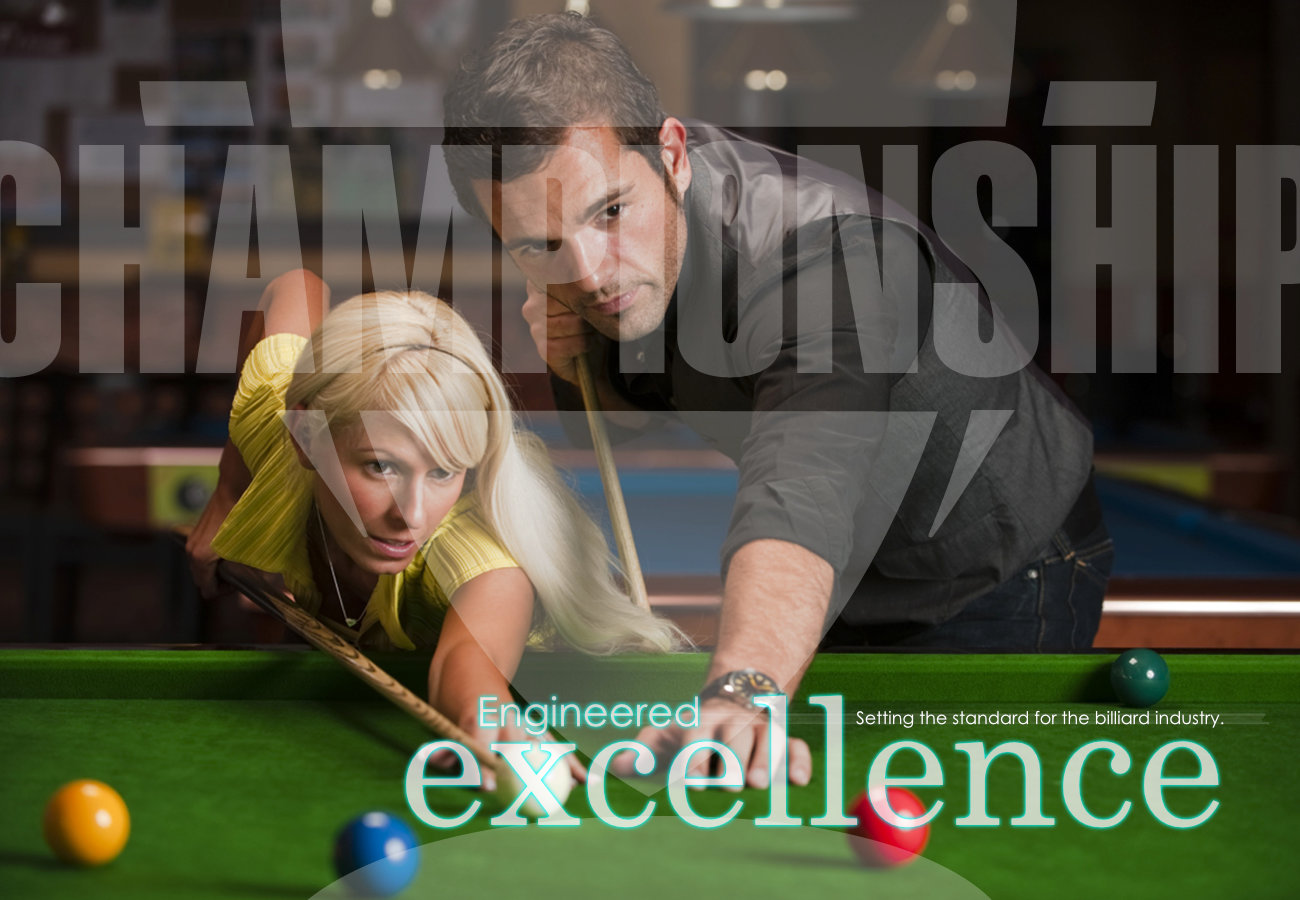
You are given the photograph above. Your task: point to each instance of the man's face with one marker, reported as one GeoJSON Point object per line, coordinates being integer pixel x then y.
{"type": "Point", "coordinates": [597, 227]}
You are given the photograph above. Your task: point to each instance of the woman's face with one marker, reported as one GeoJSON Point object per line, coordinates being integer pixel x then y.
{"type": "Point", "coordinates": [400, 493]}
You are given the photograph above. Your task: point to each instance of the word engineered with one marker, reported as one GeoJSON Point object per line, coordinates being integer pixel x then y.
{"type": "Point", "coordinates": [538, 718]}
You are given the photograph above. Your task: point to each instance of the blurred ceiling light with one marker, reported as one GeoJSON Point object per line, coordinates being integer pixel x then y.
{"type": "Point", "coordinates": [784, 11]}
{"type": "Point", "coordinates": [54, 14]}
{"type": "Point", "coordinates": [381, 9]}
{"type": "Point", "coordinates": [771, 59]}
{"type": "Point", "coordinates": [581, 7]}
{"type": "Point", "coordinates": [963, 52]}
{"type": "Point", "coordinates": [380, 43]}
{"type": "Point", "coordinates": [382, 79]}
{"type": "Point", "coordinates": [948, 80]}
{"type": "Point", "coordinates": [760, 80]}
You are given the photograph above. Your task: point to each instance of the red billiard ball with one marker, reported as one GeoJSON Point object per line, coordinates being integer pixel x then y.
{"type": "Point", "coordinates": [881, 844]}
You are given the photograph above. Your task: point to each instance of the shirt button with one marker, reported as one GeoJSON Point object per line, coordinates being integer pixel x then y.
{"type": "Point", "coordinates": [1032, 574]}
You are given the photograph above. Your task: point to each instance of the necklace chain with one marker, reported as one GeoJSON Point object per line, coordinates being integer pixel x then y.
{"type": "Point", "coordinates": [338, 593]}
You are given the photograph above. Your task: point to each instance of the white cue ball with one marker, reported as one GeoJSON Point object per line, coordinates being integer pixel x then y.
{"type": "Point", "coordinates": [559, 780]}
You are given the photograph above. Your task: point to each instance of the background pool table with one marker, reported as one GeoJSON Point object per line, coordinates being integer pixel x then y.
{"type": "Point", "coordinates": [238, 766]}
{"type": "Point", "coordinates": [1187, 574]}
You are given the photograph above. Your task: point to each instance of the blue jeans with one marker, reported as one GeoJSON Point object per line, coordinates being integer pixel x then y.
{"type": "Point", "coordinates": [1052, 604]}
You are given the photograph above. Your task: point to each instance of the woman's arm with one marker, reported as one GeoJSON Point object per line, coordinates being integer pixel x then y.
{"type": "Point", "coordinates": [479, 649]}
{"type": "Point", "coordinates": [293, 303]}
{"type": "Point", "coordinates": [233, 479]}
{"type": "Point", "coordinates": [481, 643]}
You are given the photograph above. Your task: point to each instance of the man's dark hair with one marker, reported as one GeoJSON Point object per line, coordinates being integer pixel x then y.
{"type": "Point", "coordinates": [538, 78]}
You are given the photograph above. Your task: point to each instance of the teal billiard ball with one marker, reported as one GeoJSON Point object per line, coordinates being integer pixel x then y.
{"type": "Point", "coordinates": [1140, 677]}
{"type": "Point", "coordinates": [376, 855]}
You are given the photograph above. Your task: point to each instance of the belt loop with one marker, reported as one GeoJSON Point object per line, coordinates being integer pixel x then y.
{"type": "Point", "coordinates": [1064, 546]}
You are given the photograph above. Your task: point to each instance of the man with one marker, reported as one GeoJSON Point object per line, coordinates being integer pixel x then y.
{"type": "Point", "coordinates": [898, 485]}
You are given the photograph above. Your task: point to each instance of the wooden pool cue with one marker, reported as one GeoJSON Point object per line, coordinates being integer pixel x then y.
{"type": "Point", "coordinates": [324, 639]}
{"type": "Point", "coordinates": [613, 490]}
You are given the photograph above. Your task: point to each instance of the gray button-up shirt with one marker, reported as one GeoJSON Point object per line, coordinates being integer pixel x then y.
{"type": "Point", "coordinates": [881, 416]}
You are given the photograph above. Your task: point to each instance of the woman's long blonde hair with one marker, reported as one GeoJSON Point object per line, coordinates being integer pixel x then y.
{"type": "Point", "coordinates": [411, 355]}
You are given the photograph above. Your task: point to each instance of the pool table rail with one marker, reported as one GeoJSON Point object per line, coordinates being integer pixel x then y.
{"type": "Point", "coordinates": [1182, 613]}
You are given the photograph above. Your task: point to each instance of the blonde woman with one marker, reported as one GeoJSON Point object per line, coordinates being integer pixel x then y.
{"type": "Point", "coordinates": [377, 467]}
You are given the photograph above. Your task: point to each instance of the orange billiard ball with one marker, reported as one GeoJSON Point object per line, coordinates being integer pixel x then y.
{"type": "Point", "coordinates": [86, 823]}
{"type": "Point", "coordinates": [882, 844]}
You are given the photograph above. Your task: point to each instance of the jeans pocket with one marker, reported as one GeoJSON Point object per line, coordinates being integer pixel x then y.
{"type": "Point", "coordinates": [1096, 562]}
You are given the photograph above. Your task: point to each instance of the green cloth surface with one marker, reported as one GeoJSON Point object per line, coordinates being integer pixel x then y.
{"type": "Point", "coordinates": [239, 766]}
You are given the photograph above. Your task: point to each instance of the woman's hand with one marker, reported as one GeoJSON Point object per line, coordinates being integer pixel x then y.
{"type": "Point", "coordinates": [233, 479]}
{"type": "Point", "coordinates": [198, 547]}
{"type": "Point", "coordinates": [446, 760]}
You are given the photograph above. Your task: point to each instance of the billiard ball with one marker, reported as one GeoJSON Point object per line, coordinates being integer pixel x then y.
{"type": "Point", "coordinates": [1140, 677]}
{"type": "Point", "coordinates": [376, 855]}
{"type": "Point", "coordinates": [86, 823]}
{"type": "Point", "coordinates": [559, 779]}
{"type": "Point", "coordinates": [880, 844]}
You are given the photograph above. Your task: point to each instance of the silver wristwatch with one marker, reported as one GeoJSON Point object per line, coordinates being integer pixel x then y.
{"type": "Point", "coordinates": [741, 686]}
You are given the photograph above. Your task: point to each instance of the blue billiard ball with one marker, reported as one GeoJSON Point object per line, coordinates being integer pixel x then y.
{"type": "Point", "coordinates": [377, 854]}
{"type": "Point", "coordinates": [1140, 677]}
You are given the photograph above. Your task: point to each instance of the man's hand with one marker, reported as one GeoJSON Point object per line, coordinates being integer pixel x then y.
{"type": "Point", "coordinates": [774, 602]}
{"type": "Point", "coordinates": [560, 334]}
{"type": "Point", "coordinates": [743, 730]}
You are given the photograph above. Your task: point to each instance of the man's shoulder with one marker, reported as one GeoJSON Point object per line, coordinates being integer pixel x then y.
{"type": "Point", "coordinates": [822, 189]}
{"type": "Point", "coordinates": [763, 203]}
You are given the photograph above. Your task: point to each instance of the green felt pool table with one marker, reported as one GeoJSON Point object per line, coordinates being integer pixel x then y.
{"type": "Point", "coordinates": [239, 766]}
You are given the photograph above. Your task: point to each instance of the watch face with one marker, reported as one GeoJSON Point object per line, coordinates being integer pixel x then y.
{"type": "Point", "coordinates": [742, 686]}
{"type": "Point", "coordinates": [749, 683]}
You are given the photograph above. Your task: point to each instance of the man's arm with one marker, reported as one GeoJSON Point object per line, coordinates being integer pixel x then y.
{"type": "Point", "coordinates": [808, 450]}
{"type": "Point", "coordinates": [773, 611]}
{"type": "Point", "coordinates": [773, 608]}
